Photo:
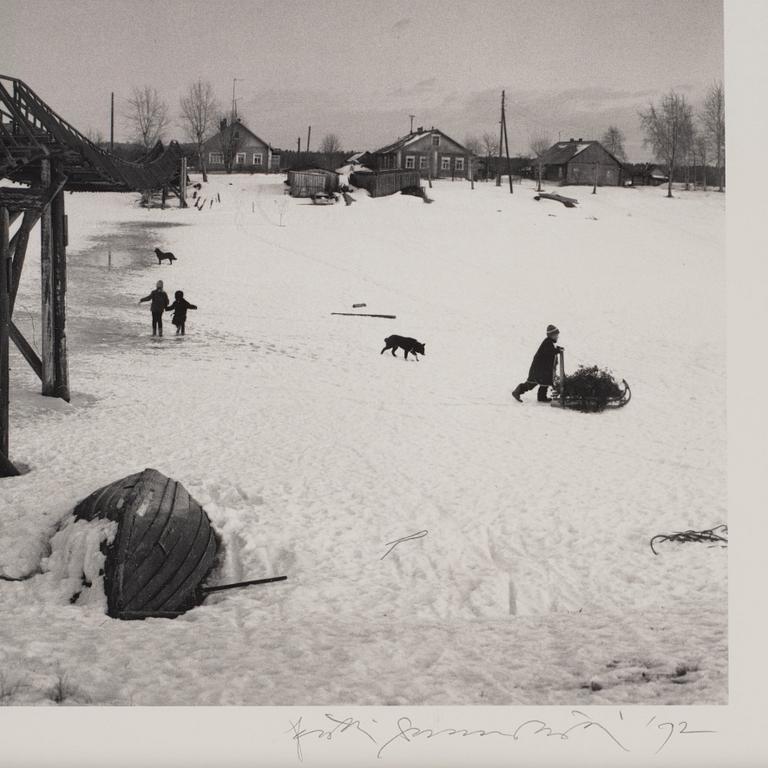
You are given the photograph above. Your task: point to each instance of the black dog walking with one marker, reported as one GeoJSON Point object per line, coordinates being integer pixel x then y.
{"type": "Point", "coordinates": [159, 299]}
{"type": "Point", "coordinates": [403, 342]}
{"type": "Point", "coordinates": [542, 368]}
{"type": "Point", "coordinates": [179, 307]}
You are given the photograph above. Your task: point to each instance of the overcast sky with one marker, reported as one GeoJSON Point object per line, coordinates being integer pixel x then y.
{"type": "Point", "coordinates": [359, 68]}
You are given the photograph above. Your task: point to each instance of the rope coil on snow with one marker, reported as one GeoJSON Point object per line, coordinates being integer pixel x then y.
{"type": "Point", "coordinates": [712, 535]}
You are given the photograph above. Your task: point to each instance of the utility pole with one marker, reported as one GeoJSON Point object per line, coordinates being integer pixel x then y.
{"type": "Point", "coordinates": [234, 101]}
{"type": "Point", "coordinates": [506, 145]}
{"type": "Point", "coordinates": [411, 116]}
{"type": "Point", "coordinates": [112, 123]}
{"type": "Point", "coordinates": [501, 139]}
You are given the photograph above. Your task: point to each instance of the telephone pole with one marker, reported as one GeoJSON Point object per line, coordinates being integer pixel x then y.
{"type": "Point", "coordinates": [234, 101]}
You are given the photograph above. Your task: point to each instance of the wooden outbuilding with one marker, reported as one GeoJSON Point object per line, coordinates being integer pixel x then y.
{"type": "Point", "coordinates": [579, 161]}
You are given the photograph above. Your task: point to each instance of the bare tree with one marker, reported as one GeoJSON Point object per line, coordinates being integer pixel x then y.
{"type": "Point", "coordinates": [668, 131]}
{"type": "Point", "coordinates": [330, 144]}
{"type": "Point", "coordinates": [539, 144]}
{"type": "Point", "coordinates": [198, 114]}
{"type": "Point", "coordinates": [490, 148]}
{"type": "Point", "coordinates": [473, 144]}
{"type": "Point", "coordinates": [95, 136]}
{"type": "Point", "coordinates": [490, 144]}
{"type": "Point", "coordinates": [701, 146]}
{"type": "Point", "coordinates": [613, 141]}
{"type": "Point", "coordinates": [147, 115]}
{"type": "Point", "coordinates": [229, 140]}
{"type": "Point", "coordinates": [713, 122]}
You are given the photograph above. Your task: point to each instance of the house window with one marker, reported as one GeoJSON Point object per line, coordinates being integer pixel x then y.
{"type": "Point", "coordinates": [240, 158]}
{"type": "Point", "coordinates": [459, 164]}
{"type": "Point", "coordinates": [445, 163]}
{"type": "Point", "coordinates": [423, 162]}
{"type": "Point", "coordinates": [215, 158]}
{"type": "Point", "coordinates": [435, 140]}
{"type": "Point", "coordinates": [258, 158]}
{"type": "Point", "coordinates": [410, 161]}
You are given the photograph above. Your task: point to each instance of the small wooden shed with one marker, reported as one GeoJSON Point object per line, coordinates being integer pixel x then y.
{"type": "Point", "coordinates": [380, 183]}
{"type": "Point", "coordinates": [312, 181]}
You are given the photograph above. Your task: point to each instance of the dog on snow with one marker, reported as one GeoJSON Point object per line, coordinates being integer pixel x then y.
{"type": "Point", "coordinates": [405, 343]}
{"type": "Point", "coordinates": [163, 255]}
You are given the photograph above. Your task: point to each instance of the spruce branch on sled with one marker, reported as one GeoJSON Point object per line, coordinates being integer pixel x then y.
{"type": "Point", "coordinates": [718, 534]}
{"type": "Point", "coordinates": [591, 389]}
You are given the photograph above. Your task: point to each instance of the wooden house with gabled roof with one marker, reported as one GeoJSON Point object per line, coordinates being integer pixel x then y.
{"type": "Point", "coordinates": [430, 152]}
{"type": "Point", "coordinates": [577, 161]}
{"type": "Point", "coordinates": [236, 148]}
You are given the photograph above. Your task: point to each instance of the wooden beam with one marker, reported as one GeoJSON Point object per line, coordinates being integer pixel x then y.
{"type": "Point", "coordinates": [54, 286]}
{"type": "Point", "coordinates": [22, 199]}
{"type": "Point", "coordinates": [19, 250]}
{"type": "Point", "coordinates": [5, 322]}
{"type": "Point", "coordinates": [25, 348]}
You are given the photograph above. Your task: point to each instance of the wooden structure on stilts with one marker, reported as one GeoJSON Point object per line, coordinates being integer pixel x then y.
{"type": "Point", "coordinates": [49, 156]}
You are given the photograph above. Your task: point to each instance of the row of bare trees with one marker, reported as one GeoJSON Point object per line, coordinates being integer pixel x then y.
{"type": "Point", "coordinates": [676, 136]}
{"type": "Point", "coordinates": [679, 138]}
{"type": "Point", "coordinates": [200, 116]}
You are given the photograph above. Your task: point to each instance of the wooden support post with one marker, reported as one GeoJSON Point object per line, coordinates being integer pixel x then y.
{"type": "Point", "coordinates": [164, 195]}
{"type": "Point", "coordinates": [53, 268]}
{"type": "Point", "coordinates": [19, 251]}
{"type": "Point", "coordinates": [183, 183]}
{"type": "Point", "coordinates": [6, 467]}
{"type": "Point", "coordinates": [26, 350]}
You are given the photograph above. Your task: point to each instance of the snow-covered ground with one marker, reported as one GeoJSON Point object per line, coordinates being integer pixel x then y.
{"type": "Point", "coordinates": [311, 452]}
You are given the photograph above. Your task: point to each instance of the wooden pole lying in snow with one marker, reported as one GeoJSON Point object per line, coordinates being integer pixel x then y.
{"type": "Point", "coordinates": [362, 314]}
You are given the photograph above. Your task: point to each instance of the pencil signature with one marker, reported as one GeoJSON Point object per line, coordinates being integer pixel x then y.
{"type": "Point", "coordinates": [393, 544]}
{"type": "Point", "coordinates": [621, 735]}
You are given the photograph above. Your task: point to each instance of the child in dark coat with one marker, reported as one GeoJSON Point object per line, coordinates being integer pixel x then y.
{"type": "Point", "coordinates": [159, 299]}
{"type": "Point", "coordinates": [179, 308]}
{"type": "Point", "coordinates": [542, 368]}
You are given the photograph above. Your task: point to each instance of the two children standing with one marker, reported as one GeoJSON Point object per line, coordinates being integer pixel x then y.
{"type": "Point", "coordinates": [159, 304]}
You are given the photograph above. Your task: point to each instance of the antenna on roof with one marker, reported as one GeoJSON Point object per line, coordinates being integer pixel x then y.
{"type": "Point", "coordinates": [234, 101]}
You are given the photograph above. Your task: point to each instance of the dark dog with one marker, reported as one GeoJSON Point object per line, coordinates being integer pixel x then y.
{"type": "Point", "coordinates": [163, 255]}
{"type": "Point", "coordinates": [405, 343]}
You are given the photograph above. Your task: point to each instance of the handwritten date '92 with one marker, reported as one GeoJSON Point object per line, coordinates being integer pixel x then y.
{"type": "Point", "coordinates": [647, 735]}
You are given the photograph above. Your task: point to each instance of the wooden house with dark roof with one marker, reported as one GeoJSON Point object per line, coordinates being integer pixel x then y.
{"type": "Point", "coordinates": [236, 148]}
{"type": "Point", "coordinates": [577, 161]}
{"type": "Point", "coordinates": [430, 152]}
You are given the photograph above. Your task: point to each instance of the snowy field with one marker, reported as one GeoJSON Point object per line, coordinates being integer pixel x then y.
{"type": "Point", "coordinates": [311, 452]}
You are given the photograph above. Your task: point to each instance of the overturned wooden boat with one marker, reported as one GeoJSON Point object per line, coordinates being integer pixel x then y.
{"type": "Point", "coordinates": [163, 550]}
